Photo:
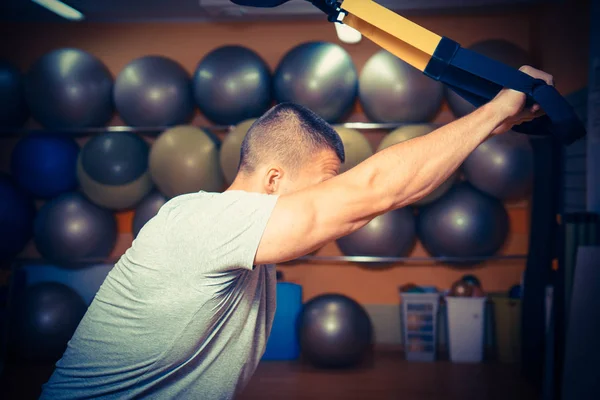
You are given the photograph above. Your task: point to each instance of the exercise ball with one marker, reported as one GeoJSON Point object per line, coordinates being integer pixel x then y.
{"type": "Point", "coordinates": [69, 88]}
{"type": "Point", "coordinates": [388, 235]}
{"type": "Point", "coordinates": [146, 210]}
{"type": "Point", "coordinates": [13, 108]}
{"type": "Point", "coordinates": [229, 156]}
{"type": "Point", "coordinates": [335, 331]}
{"type": "Point", "coordinates": [154, 91]}
{"type": "Point", "coordinates": [46, 317]}
{"type": "Point", "coordinates": [17, 213]}
{"type": "Point", "coordinates": [408, 132]}
{"type": "Point", "coordinates": [45, 164]}
{"type": "Point", "coordinates": [184, 159]}
{"type": "Point", "coordinates": [320, 76]}
{"type": "Point", "coordinates": [463, 223]}
{"type": "Point", "coordinates": [113, 170]}
{"type": "Point", "coordinates": [502, 166]}
{"type": "Point", "coordinates": [232, 84]}
{"type": "Point", "coordinates": [356, 147]}
{"type": "Point", "coordinates": [499, 50]}
{"type": "Point", "coordinates": [69, 228]}
{"type": "Point", "coordinates": [390, 90]}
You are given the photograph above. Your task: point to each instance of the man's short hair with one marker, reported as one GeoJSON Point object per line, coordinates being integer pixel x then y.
{"type": "Point", "coordinates": [290, 134]}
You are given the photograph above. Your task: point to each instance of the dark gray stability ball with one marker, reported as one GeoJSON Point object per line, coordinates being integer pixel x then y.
{"type": "Point", "coordinates": [391, 90]}
{"type": "Point", "coordinates": [502, 166]}
{"type": "Point", "coordinates": [146, 210]}
{"type": "Point", "coordinates": [13, 108]}
{"type": "Point", "coordinates": [320, 76]}
{"type": "Point", "coordinates": [70, 228]}
{"type": "Point", "coordinates": [115, 158]}
{"type": "Point", "coordinates": [335, 331]}
{"type": "Point", "coordinates": [391, 234]}
{"type": "Point", "coordinates": [499, 50]}
{"type": "Point", "coordinates": [232, 84]}
{"type": "Point", "coordinates": [69, 88]}
{"type": "Point", "coordinates": [46, 318]}
{"type": "Point", "coordinates": [154, 91]}
{"type": "Point", "coordinates": [465, 222]}
{"type": "Point", "coordinates": [113, 170]}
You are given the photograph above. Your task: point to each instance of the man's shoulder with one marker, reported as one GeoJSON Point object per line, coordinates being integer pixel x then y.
{"type": "Point", "coordinates": [212, 203]}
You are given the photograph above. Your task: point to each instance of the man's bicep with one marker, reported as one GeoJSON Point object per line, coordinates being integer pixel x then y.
{"type": "Point", "coordinates": [305, 221]}
{"type": "Point", "coordinates": [287, 234]}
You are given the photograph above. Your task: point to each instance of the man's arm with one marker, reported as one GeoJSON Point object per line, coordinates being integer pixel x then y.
{"type": "Point", "coordinates": [393, 178]}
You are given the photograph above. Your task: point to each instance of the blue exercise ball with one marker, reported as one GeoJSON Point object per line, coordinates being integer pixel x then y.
{"type": "Point", "coordinates": [113, 170]}
{"type": "Point", "coordinates": [146, 210]}
{"type": "Point", "coordinates": [232, 84]}
{"type": "Point", "coordinates": [45, 165]}
{"type": "Point", "coordinates": [154, 91]}
{"type": "Point", "coordinates": [13, 107]}
{"type": "Point", "coordinates": [69, 228]}
{"type": "Point", "coordinates": [320, 76]}
{"type": "Point", "coordinates": [69, 88]}
{"type": "Point", "coordinates": [464, 223]}
{"type": "Point", "coordinates": [17, 213]}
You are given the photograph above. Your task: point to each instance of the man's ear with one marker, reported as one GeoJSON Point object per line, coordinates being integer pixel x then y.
{"type": "Point", "coordinates": [272, 180]}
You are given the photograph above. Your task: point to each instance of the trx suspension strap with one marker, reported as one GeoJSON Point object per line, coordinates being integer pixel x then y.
{"type": "Point", "coordinates": [476, 78]}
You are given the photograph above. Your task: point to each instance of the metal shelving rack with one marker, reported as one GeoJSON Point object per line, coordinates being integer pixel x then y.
{"type": "Point", "coordinates": [362, 126]}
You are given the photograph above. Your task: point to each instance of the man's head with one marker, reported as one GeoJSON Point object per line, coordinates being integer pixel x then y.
{"type": "Point", "coordinates": [287, 149]}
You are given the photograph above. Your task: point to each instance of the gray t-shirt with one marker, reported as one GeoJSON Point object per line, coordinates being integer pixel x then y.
{"type": "Point", "coordinates": [184, 313]}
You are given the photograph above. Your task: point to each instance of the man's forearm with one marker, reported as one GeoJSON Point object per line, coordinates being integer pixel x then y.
{"type": "Point", "coordinates": [408, 171]}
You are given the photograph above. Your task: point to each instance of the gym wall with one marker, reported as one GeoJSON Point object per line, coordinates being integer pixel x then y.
{"type": "Point", "coordinates": [543, 33]}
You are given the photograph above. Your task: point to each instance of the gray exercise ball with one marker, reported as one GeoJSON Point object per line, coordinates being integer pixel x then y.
{"type": "Point", "coordinates": [391, 90]}
{"type": "Point", "coordinates": [185, 159]}
{"type": "Point", "coordinates": [389, 235]}
{"type": "Point", "coordinates": [356, 147]}
{"type": "Point", "coordinates": [499, 50]}
{"type": "Point", "coordinates": [112, 170]}
{"type": "Point", "coordinates": [13, 108]}
{"type": "Point", "coordinates": [146, 210]}
{"type": "Point", "coordinates": [229, 156]}
{"type": "Point", "coordinates": [69, 88]}
{"type": "Point", "coordinates": [502, 166]}
{"type": "Point", "coordinates": [408, 132]}
{"type": "Point", "coordinates": [69, 228]}
{"type": "Point", "coordinates": [232, 84]}
{"type": "Point", "coordinates": [334, 331]}
{"type": "Point", "coordinates": [154, 91]}
{"type": "Point", "coordinates": [465, 222]}
{"type": "Point", "coordinates": [45, 318]}
{"type": "Point", "coordinates": [320, 76]}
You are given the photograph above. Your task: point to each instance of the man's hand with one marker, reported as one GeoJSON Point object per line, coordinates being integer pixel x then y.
{"type": "Point", "coordinates": [511, 104]}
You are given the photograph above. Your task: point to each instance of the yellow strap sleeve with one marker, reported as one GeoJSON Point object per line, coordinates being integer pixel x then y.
{"type": "Point", "coordinates": [401, 37]}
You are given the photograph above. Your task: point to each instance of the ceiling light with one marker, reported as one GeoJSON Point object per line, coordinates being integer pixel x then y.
{"type": "Point", "coordinates": [61, 9]}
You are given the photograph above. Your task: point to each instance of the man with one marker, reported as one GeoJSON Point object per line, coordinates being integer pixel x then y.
{"type": "Point", "coordinates": [187, 310]}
